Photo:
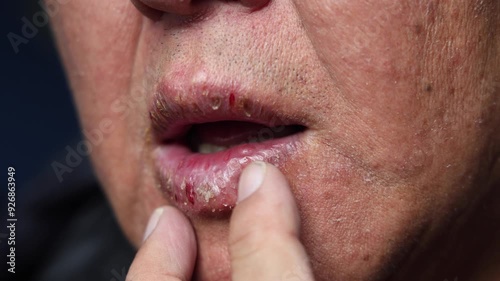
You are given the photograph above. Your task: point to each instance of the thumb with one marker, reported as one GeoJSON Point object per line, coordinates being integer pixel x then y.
{"type": "Point", "coordinates": [264, 229]}
{"type": "Point", "coordinates": [169, 249]}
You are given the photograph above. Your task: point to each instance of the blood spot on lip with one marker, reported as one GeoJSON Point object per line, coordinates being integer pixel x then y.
{"type": "Point", "coordinates": [190, 193]}
{"type": "Point", "coordinates": [232, 100]}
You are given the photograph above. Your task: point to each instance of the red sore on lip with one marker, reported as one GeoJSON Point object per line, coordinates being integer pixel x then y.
{"type": "Point", "coordinates": [232, 100]}
{"type": "Point", "coordinates": [190, 193]}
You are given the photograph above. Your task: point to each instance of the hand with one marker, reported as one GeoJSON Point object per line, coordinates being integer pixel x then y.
{"type": "Point", "coordinates": [263, 235]}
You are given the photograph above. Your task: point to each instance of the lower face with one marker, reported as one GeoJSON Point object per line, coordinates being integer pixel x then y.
{"type": "Point", "coordinates": [381, 114]}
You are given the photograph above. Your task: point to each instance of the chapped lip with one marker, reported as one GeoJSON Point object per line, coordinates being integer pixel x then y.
{"type": "Point", "coordinates": [206, 184]}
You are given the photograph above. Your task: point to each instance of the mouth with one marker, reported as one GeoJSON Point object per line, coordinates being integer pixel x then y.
{"type": "Point", "coordinates": [206, 136]}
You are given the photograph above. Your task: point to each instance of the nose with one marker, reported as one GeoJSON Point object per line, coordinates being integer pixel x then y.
{"type": "Point", "coordinates": [188, 7]}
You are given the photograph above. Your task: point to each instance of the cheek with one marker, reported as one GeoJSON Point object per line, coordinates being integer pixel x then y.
{"type": "Point", "coordinates": [93, 40]}
{"type": "Point", "coordinates": [411, 94]}
{"type": "Point", "coordinates": [407, 77]}
{"type": "Point", "coordinates": [374, 65]}
{"type": "Point", "coordinates": [97, 44]}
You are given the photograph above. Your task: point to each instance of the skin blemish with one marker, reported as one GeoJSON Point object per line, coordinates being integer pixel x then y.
{"type": "Point", "coordinates": [428, 88]}
{"type": "Point", "coordinates": [232, 100]}
{"type": "Point", "coordinates": [366, 257]}
{"type": "Point", "coordinates": [418, 29]}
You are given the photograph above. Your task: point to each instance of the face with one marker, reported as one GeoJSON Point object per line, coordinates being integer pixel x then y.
{"type": "Point", "coordinates": [381, 114]}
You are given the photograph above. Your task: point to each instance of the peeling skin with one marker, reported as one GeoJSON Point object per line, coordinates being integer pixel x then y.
{"type": "Point", "coordinates": [206, 193]}
{"type": "Point", "coordinates": [213, 185]}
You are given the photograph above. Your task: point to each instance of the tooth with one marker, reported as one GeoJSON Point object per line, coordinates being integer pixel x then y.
{"type": "Point", "coordinates": [206, 148]}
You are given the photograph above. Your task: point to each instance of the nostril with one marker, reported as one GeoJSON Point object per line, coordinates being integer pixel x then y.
{"type": "Point", "coordinates": [154, 8]}
{"type": "Point", "coordinates": [255, 4]}
{"type": "Point", "coordinates": [146, 10]}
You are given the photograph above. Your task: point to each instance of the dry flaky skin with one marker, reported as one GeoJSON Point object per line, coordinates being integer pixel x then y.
{"type": "Point", "coordinates": [401, 99]}
{"type": "Point", "coordinates": [199, 194]}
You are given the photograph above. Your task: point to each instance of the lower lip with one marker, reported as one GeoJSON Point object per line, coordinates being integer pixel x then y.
{"type": "Point", "coordinates": [206, 184]}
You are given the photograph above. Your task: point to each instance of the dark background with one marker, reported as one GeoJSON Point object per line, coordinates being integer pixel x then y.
{"type": "Point", "coordinates": [38, 122]}
{"type": "Point", "coordinates": [38, 116]}
{"type": "Point", "coordinates": [66, 229]}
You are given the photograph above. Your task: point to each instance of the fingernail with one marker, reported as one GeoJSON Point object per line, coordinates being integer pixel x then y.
{"type": "Point", "coordinates": [153, 222]}
{"type": "Point", "coordinates": [251, 179]}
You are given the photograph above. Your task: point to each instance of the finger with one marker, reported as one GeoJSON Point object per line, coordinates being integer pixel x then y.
{"type": "Point", "coordinates": [169, 249]}
{"type": "Point", "coordinates": [264, 229]}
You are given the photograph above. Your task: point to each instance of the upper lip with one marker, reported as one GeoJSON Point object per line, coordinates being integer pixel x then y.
{"type": "Point", "coordinates": [173, 110]}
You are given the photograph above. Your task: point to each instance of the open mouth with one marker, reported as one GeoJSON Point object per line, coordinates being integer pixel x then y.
{"type": "Point", "coordinates": [209, 138]}
{"type": "Point", "coordinates": [202, 150]}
